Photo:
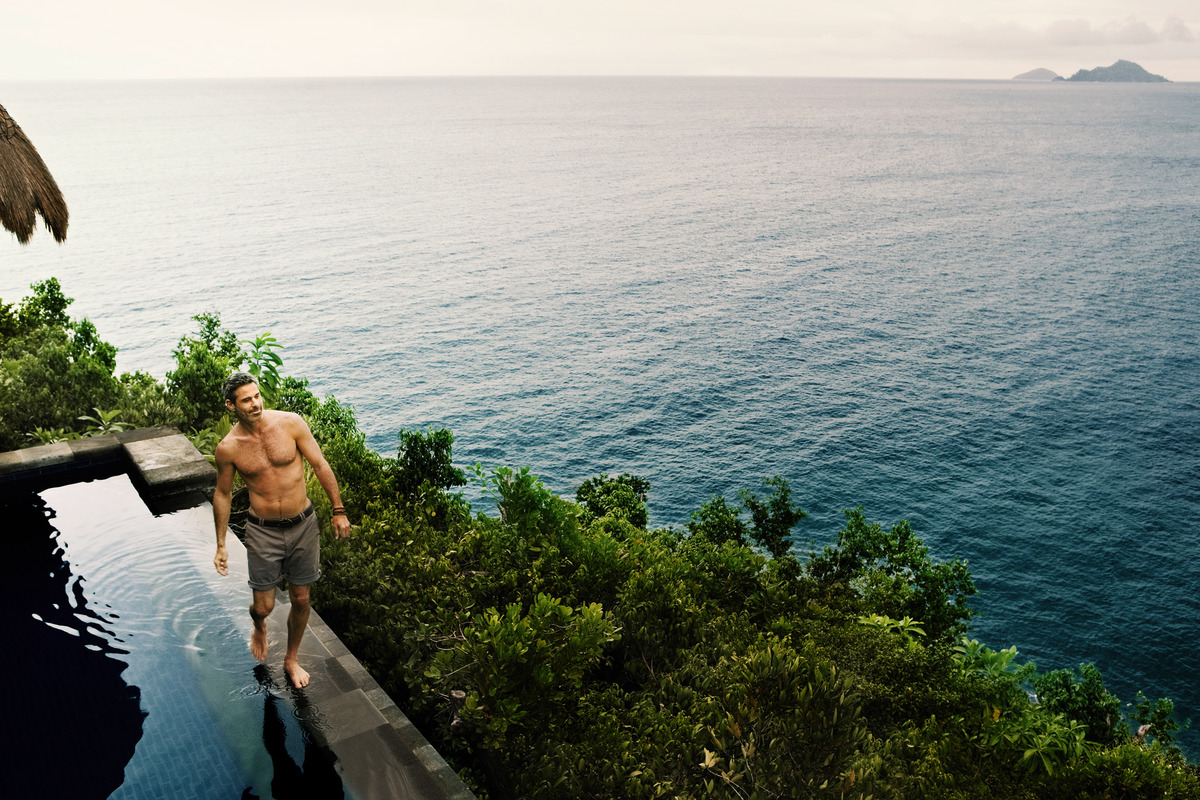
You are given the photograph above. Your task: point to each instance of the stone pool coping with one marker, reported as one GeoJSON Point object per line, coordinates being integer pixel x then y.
{"type": "Point", "coordinates": [381, 754]}
{"type": "Point", "coordinates": [164, 461]}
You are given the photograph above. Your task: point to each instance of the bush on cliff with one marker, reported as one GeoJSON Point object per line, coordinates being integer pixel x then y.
{"type": "Point", "coordinates": [54, 371]}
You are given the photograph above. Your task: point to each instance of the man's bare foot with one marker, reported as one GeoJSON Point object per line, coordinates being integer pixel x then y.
{"type": "Point", "coordinates": [296, 674]}
{"type": "Point", "coordinates": [258, 644]}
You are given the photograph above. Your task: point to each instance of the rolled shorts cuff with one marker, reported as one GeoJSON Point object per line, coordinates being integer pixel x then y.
{"type": "Point", "coordinates": [263, 587]}
{"type": "Point", "coordinates": [302, 581]}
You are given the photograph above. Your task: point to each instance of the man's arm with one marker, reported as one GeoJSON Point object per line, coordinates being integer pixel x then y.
{"type": "Point", "coordinates": [312, 454]}
{"type": "Point", "coordinates": [222, 499]}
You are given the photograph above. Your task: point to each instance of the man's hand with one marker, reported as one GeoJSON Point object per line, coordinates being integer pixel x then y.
{"type": "Point", "coordinates": [341, 525]}
{"type": "Point", "coordinates": [221, 560]}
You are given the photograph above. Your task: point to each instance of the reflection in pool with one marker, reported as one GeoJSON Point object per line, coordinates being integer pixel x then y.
{"type": "Point", "coordinates": [125, 663]}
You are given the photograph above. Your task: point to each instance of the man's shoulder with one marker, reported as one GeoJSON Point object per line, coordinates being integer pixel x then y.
{"type": "Point", "coordinates": [287, 422]}
{"type": "Point", "coordinates": [227, 448]}
{"type": "Point", "coordinates": [287, 419]}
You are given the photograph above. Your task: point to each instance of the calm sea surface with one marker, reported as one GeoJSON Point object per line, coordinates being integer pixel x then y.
{"type": "Point", "coordinates": [972, 305]}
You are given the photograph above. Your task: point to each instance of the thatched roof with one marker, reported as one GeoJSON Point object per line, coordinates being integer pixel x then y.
{"type": "Point", "coordinates": [26, 187]}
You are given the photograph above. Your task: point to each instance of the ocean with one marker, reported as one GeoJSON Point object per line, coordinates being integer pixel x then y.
{"type": "Point", "coordinates": [972, 305]}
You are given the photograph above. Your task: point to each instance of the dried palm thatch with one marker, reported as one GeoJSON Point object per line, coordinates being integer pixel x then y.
{"type": "Point", "coordinates": [26, 187]}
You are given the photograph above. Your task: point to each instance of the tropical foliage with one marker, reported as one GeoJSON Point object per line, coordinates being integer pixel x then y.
{"type": "Point", "coordinates": [552, 648]}
{"type": "Point", "coordinates": [557, 649]}
{"type": "Point", "coordinates": [202, 364]}
{"type": "Point", "coordinates": [57, 377]}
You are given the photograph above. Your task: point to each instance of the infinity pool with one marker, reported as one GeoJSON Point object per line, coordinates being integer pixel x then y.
{"type": "Point", "coordinates": [125, 666]}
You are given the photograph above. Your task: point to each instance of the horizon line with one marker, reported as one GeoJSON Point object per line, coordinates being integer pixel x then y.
{"type": "Point", "coordinates": [557, 76]}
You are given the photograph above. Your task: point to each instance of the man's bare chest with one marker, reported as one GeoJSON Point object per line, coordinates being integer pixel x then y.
{"type": "Point", "coordinates": [260, 455]}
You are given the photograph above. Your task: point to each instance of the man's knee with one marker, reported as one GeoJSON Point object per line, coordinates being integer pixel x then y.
{"type": "Point", "coordinates": [298, 595]}
{"type": "Point", "coordinates": [263, 605]}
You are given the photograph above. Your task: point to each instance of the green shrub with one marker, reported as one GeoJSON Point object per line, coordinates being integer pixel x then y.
{"type": "Point", "coordinates": [362, 474]}
{"type": "Point", "coordinates": [622, 497]}
{"type": "Point", "coordinates": [771, 523]}
{"type": "Point", "coordinates": [522, 666]}
{"type": "Point", "coordinates": [202, 363]}
{"type": "Point", "coordinates": [52, 370]}
{"type": "Point", "coordinates": [1156, 721]}
{"type": "Point", "coordinates": [891, 573]}
{"type": "Point", "coordinates": [263, 363]}
{"type": "Point", "coordinates": [773, 518]}
{"type": "Point", "coordinates": [1129, 772]}
{"type": "Point", "coordinates": [146, 403]}
{"type": "Point", "coordinates": [791, 727]}
{"type": "Point", "coordinates": [718, 522]}
{"type": "Point", "coordinates": [1086, 701]}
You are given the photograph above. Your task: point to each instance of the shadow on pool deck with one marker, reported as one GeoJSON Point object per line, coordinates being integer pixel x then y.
{"type": "Point", "coordinates": [380, 753]}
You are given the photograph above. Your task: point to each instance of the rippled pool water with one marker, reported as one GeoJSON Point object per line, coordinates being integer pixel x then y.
{"type": "Point", "coordinates": [133, 675]}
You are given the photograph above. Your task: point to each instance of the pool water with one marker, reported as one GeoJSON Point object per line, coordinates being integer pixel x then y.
{"type": "Point", "coordinates": [128, 673]}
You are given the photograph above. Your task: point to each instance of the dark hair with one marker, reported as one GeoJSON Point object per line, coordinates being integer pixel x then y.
{"type": "Point", "coordinates": [236, 381]}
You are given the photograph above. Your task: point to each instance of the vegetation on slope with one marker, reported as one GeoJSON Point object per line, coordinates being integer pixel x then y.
{"type": "Point", "coordinates": [563, 649]}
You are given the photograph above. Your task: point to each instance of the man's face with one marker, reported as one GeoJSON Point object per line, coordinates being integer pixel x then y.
{"type": "Point", "coordinates": [247, 404]}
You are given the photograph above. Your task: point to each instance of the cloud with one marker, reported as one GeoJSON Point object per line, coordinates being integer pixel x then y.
{"type": "Point", "coordinates": [232, 38]}
{"type": "Point", "coordinates": [1130, 31]}
{"type": "Point", "coordinates": [1174, 30]}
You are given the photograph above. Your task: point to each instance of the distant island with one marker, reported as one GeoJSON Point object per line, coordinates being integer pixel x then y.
{"type": "Point", "coordinates": [1039, 75]}
{"type": "Point", "coordinates": [1120, 72]}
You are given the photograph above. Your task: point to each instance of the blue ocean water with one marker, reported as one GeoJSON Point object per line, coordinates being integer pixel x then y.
{"type": "Point", "coordinates": [972, 305]}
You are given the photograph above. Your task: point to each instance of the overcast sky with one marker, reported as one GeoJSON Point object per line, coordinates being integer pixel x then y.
{"type": "Point", "coordinates": [57, 39]}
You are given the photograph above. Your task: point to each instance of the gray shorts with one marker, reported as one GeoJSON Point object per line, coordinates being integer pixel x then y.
{"type": "Point", "coordinates": [292, 553]}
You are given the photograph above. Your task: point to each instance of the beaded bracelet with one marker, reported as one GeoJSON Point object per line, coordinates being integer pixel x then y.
{"type": "Point", "coordinates": [339, 510]}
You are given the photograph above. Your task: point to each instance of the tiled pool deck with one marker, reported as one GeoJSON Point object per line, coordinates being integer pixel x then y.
{"type": "Point", "coordinates": [380, 754]}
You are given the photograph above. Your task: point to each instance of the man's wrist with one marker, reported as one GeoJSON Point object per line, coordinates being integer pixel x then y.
{"type": "Point", "coordinates": [339, 511]}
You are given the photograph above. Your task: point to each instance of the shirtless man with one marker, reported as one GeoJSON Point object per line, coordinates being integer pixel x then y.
{"type": "Point", "coordinates": [282, 537]}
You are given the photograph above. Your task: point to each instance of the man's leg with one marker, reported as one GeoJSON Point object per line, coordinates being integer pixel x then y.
{"type": "Point", "coordinates": [297, 622]}
{"type": "Point", "coordinates": [260, 609]}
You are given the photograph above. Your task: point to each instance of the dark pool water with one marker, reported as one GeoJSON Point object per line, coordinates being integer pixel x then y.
{"type": "Point", "coordinates": [125, 661]}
